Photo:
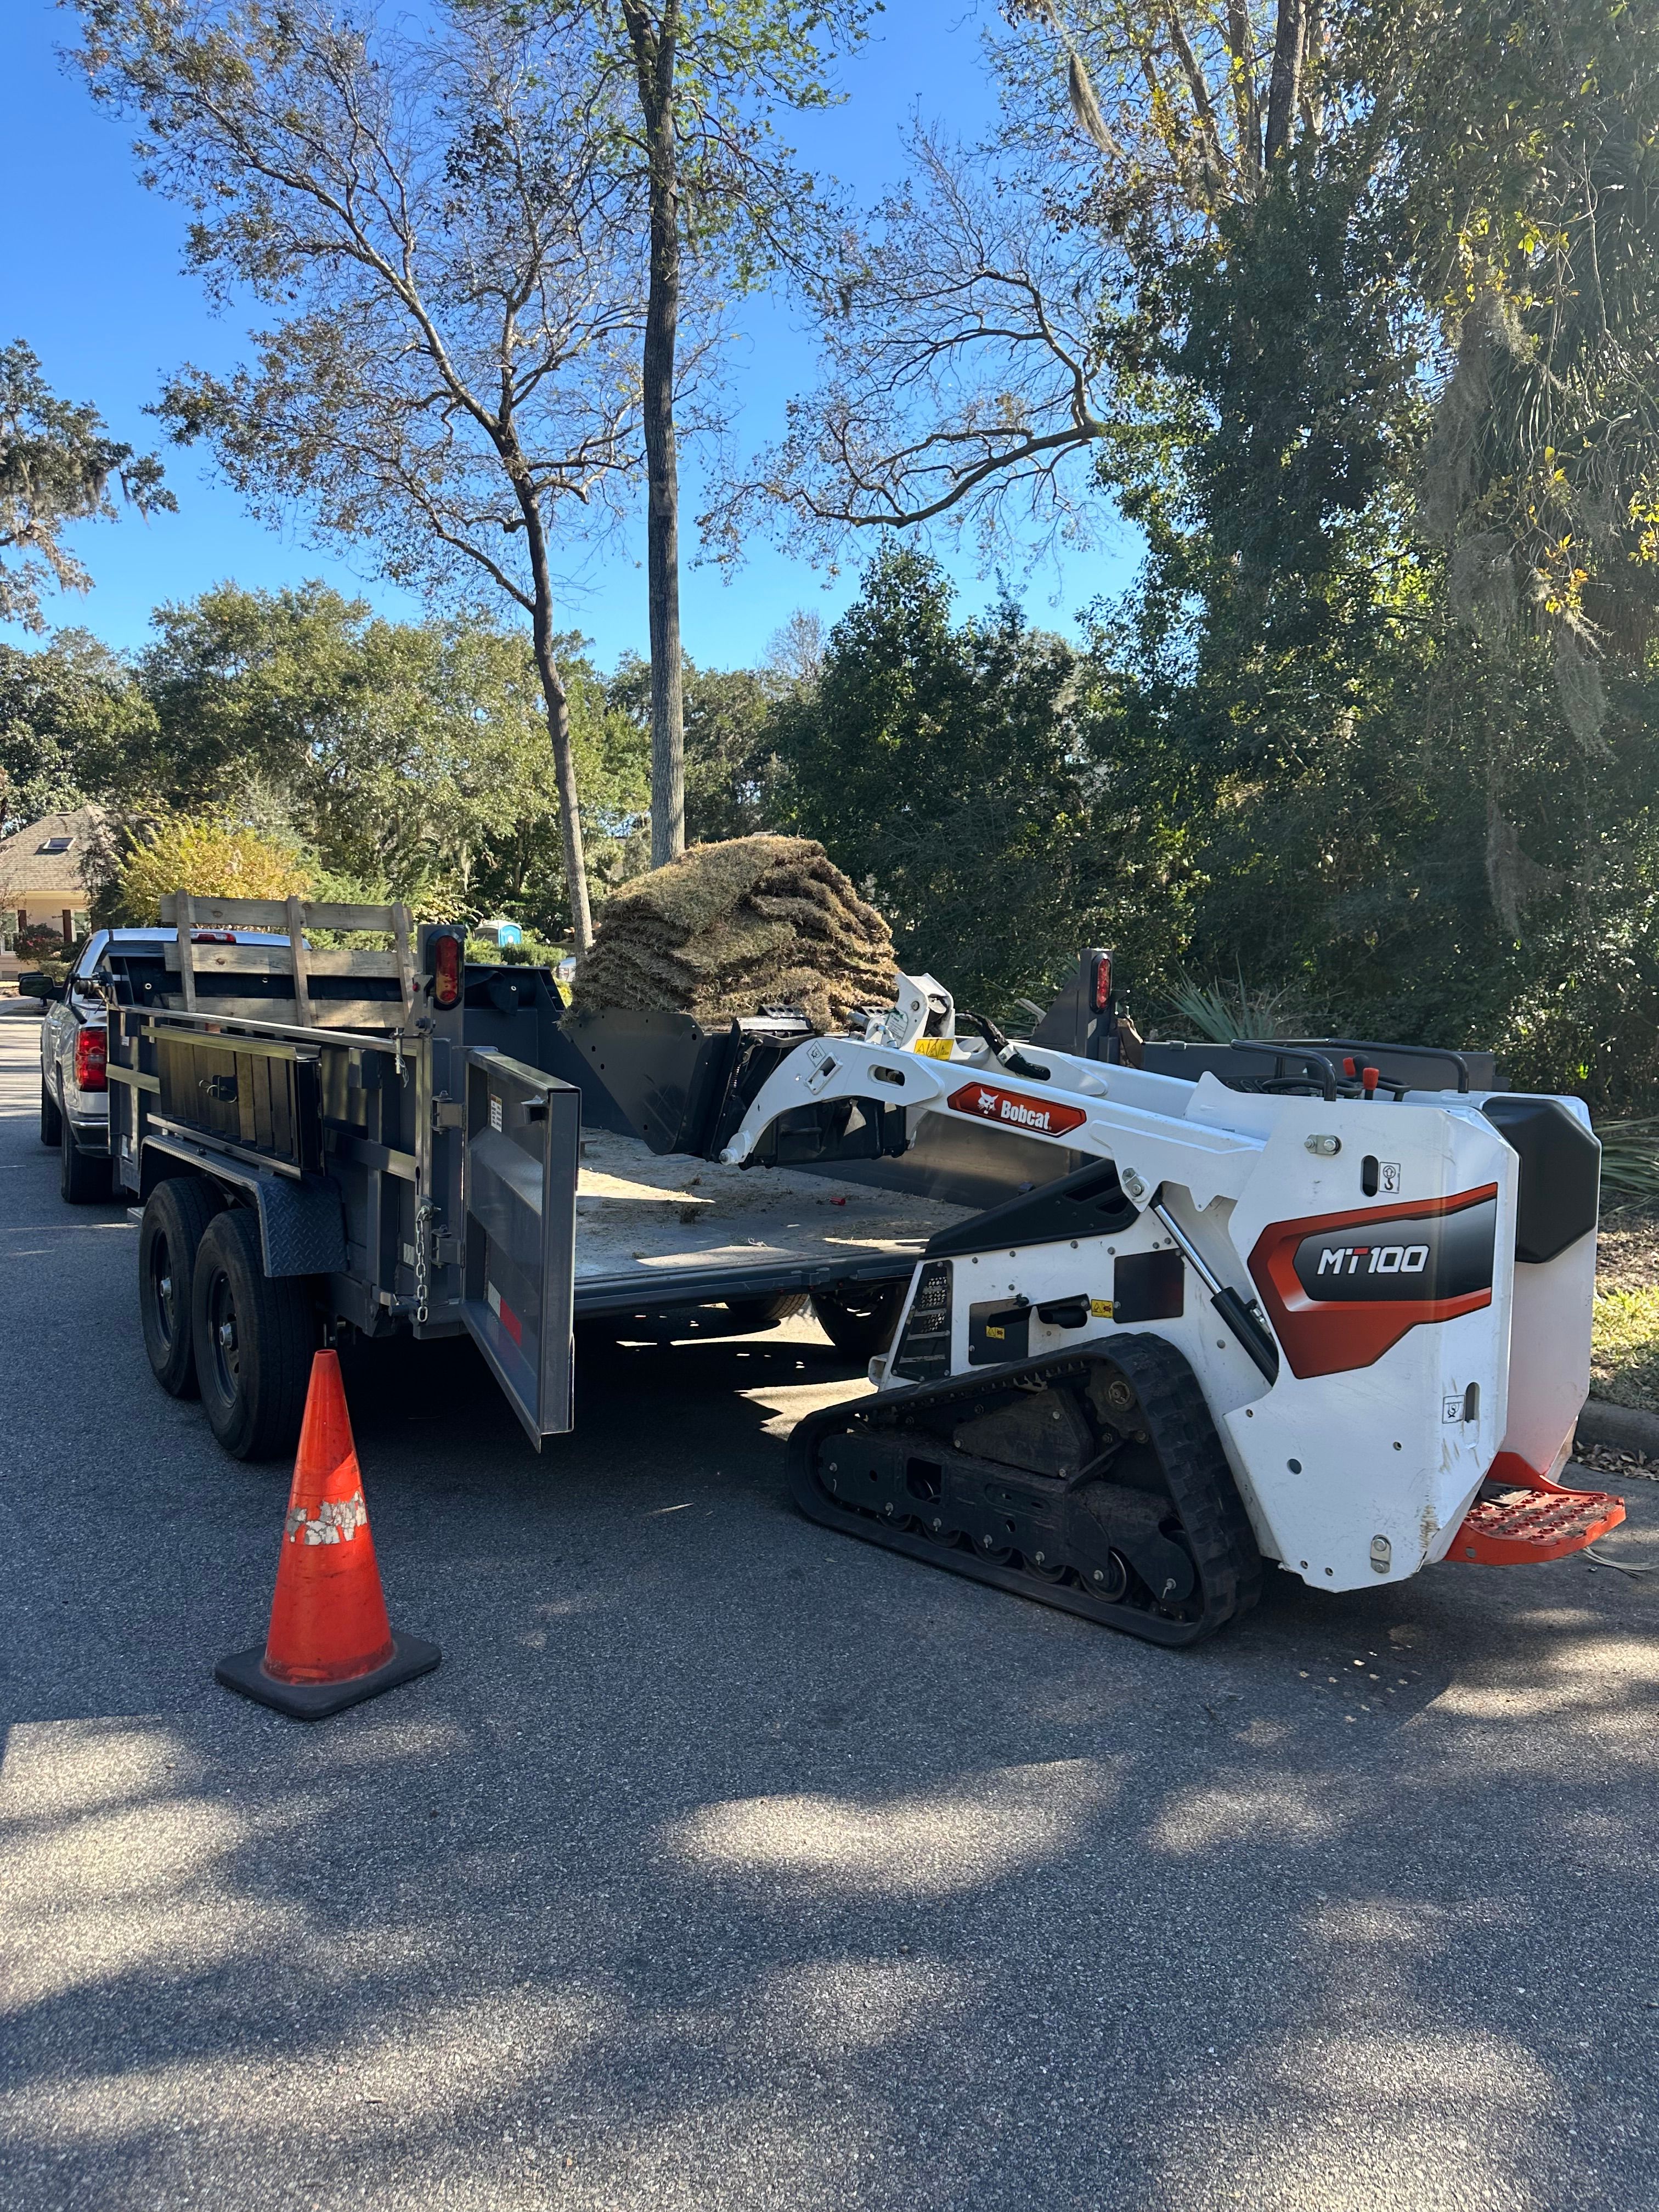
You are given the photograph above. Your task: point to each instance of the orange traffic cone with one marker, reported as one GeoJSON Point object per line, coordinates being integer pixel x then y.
{"type": "Point", "coordinates": [330, 1643]}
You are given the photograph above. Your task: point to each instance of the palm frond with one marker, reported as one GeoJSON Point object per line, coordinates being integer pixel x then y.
{"type": "Point", "coordinates": [1630, 1157]}
{"type": "Point", "coordinates": [1223, 1012]}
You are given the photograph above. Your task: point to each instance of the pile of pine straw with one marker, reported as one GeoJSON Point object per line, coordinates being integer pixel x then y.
{"type": "Point", "coordinates": [730, 928]}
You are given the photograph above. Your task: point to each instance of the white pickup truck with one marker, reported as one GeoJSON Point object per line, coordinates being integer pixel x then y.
{"type": "Point", "coordinates": [116, 967]}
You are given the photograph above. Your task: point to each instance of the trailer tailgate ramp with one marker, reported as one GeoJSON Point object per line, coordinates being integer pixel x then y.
{"type": "Point", "coordinates": [523, 1143]}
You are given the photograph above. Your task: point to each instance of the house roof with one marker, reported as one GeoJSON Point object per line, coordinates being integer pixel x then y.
{"type": "Point", "coordinates": [30, 869]}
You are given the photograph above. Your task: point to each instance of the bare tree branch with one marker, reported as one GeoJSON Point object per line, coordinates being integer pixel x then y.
{"type": "Point", "coordinates": [959, 368]}
{"type": "Point", "coordinates": [452, 384]}
{"type": "Point", "coordinates": [963, 343]}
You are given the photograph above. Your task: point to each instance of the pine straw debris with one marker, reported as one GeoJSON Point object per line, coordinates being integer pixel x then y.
{"type": "Point", "coordinates": [731, 928]}
{"type": "Point", "coordinates": [1613, 1465]}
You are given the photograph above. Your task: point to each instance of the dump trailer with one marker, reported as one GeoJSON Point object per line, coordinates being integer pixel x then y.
{"type": "Point", "coordinates": [372, 1141]}
{"type": "Point", "coordinates": [1134, 1335]}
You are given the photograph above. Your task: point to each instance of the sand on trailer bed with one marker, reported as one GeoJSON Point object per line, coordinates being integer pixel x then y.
{"type": "Point", "coordinates": [637, 1209]}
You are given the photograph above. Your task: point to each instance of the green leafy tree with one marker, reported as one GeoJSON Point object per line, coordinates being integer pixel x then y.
{"type": "Point", "coordinates": [208, 858]}
{"type": "Point", "coordinates": [946, 768]}
{"type": "Point", "coordinates": [1384, 797]}
{"type": "Point", "coordinates": [731, 765]}
{"type": "Point", "coordinates": [1528, 194]}
{"type": "Point", "coordinates": [71, 714]}
{"type": "Point", "coordinates": [409, 759]}
{"type": "Point", "coordinates": [57, 465]}
{"type": "Point", "coordinates": [1351, 309]}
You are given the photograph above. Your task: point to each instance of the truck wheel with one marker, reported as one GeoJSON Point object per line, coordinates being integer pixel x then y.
{"type": "Point", "coordinates": [51, 1122]}
{"type": "Point", "coordinates": [857, 1318]}
{"type": "Point", "coordinates": [253, 1336]}
{"type": "Point", "coordinates": [175, 1218]}
{"type": "Point", "coordinates": [83, 1178]}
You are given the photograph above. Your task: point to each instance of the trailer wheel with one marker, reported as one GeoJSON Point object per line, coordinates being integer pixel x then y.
{"type": "Point", "coordinates": [765, 1313]}
{"type": "Point", "coordinates": [253, 1336]}
{"type": "Point", "coordinates": [51, 1122]}
{"type": "Point", "coordinates": [176, 1217]}
{"type": "Point", "coordinates": [83, 1178]}
{"type": "Point", "coordinates": [857, 1318]}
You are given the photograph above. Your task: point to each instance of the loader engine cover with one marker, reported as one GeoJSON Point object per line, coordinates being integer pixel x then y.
{"type": "Point", "coordinates": [1403, 1260]}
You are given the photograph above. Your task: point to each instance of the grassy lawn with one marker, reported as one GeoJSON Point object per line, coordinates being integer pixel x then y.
{"type": "Point", "coordinates": [1625, 1340]}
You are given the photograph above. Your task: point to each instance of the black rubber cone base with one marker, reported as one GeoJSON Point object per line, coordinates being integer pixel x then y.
{"type": "Point", "coordinates": [244, 1672]}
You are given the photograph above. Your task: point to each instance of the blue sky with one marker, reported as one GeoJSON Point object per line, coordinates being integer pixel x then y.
{"type": "Point", "coordinates": [91, 278]}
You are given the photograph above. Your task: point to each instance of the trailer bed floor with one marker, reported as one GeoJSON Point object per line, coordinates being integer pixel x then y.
{"type": "Point", "coordinates": [643, 1216]}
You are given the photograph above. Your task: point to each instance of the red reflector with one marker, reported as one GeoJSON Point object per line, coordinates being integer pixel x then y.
{"type": "Point", "coordinates": [446, 969]}
{"type": "Point", "coordinates": [1102, 983]}
{"type": "Point", "coordinates": [89, 1060]}
{"type": "Point", "coordinates": [504, 1313]}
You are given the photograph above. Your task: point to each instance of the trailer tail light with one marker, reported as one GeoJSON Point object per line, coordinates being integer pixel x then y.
{"type": "Point", "coordinates": [90, 1060]}
{"type": "Point", "coordinates": [1102, 992]}
{"type": "Point", "coordinates": [447, 968]}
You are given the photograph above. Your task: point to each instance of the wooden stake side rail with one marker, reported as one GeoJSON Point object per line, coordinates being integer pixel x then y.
{"type": "Point", "coordinates": [284, 1013]}
{"type": "Point", "coordinates": [294, 919]}
{"type": "Point", "coordinates": [275, 960]}
{"type": "Point", "coordinates": [273, 914]}
{"type": "Point", "coordinates": [240, 1027]}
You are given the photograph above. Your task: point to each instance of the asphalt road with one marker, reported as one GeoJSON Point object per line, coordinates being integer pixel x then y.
{"type": "Point", "coordinates": [726, 1864]}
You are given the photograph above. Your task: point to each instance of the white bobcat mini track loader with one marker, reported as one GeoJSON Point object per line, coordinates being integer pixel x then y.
{"type": "Point", "coordinates": [1331, 1321]}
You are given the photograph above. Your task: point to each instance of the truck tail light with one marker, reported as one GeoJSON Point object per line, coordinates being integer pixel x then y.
{"type": "Point", "coordinates": [89, 1060]}
{"type": "Point", "coordinates": [447, 968]}
{"type": "Point", "coordinates": [1102, 982]}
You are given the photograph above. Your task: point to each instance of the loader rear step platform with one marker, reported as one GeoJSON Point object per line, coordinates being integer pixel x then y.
{"type": "Point", "coordinates": [1512, 1527]}
{"type": "Point", "coordinates": [1094, 1482]}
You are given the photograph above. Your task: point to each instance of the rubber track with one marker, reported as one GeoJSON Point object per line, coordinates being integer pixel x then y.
{"type": "Point", "coordinates": [1201, 1483]}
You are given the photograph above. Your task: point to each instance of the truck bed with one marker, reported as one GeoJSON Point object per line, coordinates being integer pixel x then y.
{"type": "Point", "coordinates": [650, 1227]}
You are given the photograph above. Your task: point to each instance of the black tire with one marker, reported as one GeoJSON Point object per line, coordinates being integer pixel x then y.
{"type": "Point", "coordinates": [83, 1178]}
{"type": "Point", "coordinates": [175, 1219]}
{"type": "Point", "coordinates": [765, 1313]}
{"type": "Point", "coordinates": [859, 1318]}
{"type": "Point", "coordinates": [51, 1122]}
{"type": "Point", "coordinates": [253, 1379]}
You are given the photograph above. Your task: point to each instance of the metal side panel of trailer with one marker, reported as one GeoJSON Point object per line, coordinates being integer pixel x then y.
{"type": "Point", "coordinates": [419, 1182]}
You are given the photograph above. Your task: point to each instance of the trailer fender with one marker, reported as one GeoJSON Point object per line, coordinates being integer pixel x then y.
{"type": "Point", "coordinates": [302, 1223]}
{"type": "Point", "coordinates": [301, 1227]}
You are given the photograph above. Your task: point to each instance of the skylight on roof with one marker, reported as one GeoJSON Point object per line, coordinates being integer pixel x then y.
{"type": "Point", "coordinates": [55, 845]}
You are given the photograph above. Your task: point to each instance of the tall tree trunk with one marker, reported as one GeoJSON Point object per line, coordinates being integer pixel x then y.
{"type": "Point", "coordinates": [558, 730]}
{"type": "Point", "coordinates": [1246, 109]}
{"type": "Point", "coordinates": [1285, 86]}
{"type": "Point", "coordinates": [655, 45]}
